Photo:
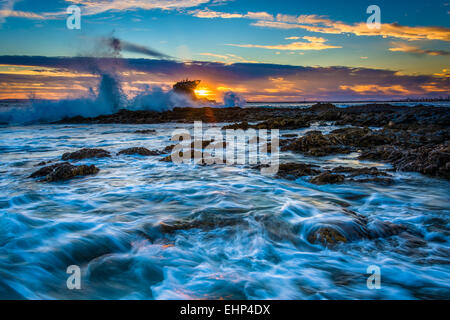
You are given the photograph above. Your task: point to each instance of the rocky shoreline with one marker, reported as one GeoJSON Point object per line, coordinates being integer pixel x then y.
{"type": "Point", "coordinates": [410, 138]}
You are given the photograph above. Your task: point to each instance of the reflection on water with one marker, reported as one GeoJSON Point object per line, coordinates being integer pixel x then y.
{"type": "Point", "coordinates": [145, 229]}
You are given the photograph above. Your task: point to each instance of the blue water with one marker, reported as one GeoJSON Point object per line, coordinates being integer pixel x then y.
{"type": "Point", "coordinates": [254, 248]}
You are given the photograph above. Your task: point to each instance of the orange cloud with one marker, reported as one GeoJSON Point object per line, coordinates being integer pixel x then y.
{"type": "Point", "coordinates": [404, 47]}
{"type": "Point", "coordinates": [373, 88]}
{"type": "Point", "coordinates": [313, 43]}
{"type": "Point", "coordinates": [393, 30]}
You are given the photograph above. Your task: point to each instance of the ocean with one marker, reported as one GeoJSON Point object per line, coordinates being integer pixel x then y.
{"type": "Point", "coordinates": [236, 234]}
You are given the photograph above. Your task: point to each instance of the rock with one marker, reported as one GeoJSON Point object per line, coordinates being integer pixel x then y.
{"type": "Point", "coordinates": [140, 151]}
{"type": "Point", "coordinates": [290, 135]}
{"type": "Point", "coordinates": [64, 171]}
{"type": "Point", "coordinates": [326, 236]}
{"type": "Point", "coordinates": [353, 172]}
{"type": "Point", "coordinates": [146, 131]}
{"type": "Point", "coordinates": [203, 143]}
{"type": "Point", "coordinates": [277, 123]}
{"type": "Point", "coordinates": [431, 160]}
{"type": "Point", "coordinates": [282, 123]}
{"type": "Point", "coordinates": [323, 107]}
{"type": "Point", "coordinates": [243, 125]}
{"type": "Point", "coordinates": [181, 154]}
{"type": "Point", "coordinates": [293, 171]}
{"type": "Point", "coordinates": [202, 221]}
{"type": "Point", "coordinates": [353, 227]}
{"type": "Point", "coordinates": [327, 178]}
{"type": "Point", "coordinates": [85, 154]}
{"type": "Point", "coordinates": [43, 163]}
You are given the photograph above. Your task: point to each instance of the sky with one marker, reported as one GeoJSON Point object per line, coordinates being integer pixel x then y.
{"type": "Point", "coordinates": [264, 50]}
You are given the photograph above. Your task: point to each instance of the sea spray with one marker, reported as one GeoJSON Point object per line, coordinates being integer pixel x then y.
{"type": "Point", "coordinates": [109, 99]}
{"type": "Point", "coordinates": [156, 99]}
{"type": "Point", "coordinates": [232, 99]}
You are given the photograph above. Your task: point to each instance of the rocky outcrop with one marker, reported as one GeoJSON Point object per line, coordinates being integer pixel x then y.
{"type": "Point", "coordinates": [429, 160]}
{"type": "Point", "coordinates": [293, 171]}
{"type": "Point", "coordinates": [145, 131]}
{"type": "Point", "coordinates": [327, 178]}
{"type": "Point", "coordinates": [139, 151]}
{"type": "Point", "coordinates": [85, 154]}
{"type": "Point", "coordinates": [353, 227]}
{"type": "Point", "coordinates": [277, 123]}
{"type": "Point", "coordinates": [63, 171]}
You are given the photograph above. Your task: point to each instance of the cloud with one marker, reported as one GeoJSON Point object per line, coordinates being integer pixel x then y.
{"type": "Point", "coordinates": [393, 30]}
{"type": "Point", "coordinates": [227, 58]}
{"type": "Point", "coordinates": [323, 24]}
{"type": "Point", "coordinates": [91, 7]}
{"type": "Point", "coordinates": [257, 81]}
{"type": "Point", "coordinates": [210, 14]}
{"type": "Point", "coordinates": [313, 43]}
{"type": "Point", "coordinates": [404, 47]}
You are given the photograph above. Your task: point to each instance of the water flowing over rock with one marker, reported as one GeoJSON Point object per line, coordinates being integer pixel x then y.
{"type": "Point", "coordinates": [86, 154]}
{"type": "Point", "coordinates": [139, 151]}
{"type": "Point", "coordinates": [64, 171]}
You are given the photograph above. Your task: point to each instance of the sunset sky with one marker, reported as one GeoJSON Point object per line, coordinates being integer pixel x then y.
{"type": "Point", "coordinates": [264, 50]}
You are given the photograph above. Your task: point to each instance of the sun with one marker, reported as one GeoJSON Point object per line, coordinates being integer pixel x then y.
{"type": "Point", "coordinates": [203, 92]}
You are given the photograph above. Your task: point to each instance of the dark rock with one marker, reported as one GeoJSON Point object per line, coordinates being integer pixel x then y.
{"type": "Point", "coordinates": [430, 160]}
{"type": "Point", "coordinates": [204, 221]}
{"type": "Point", "coordinates": [354, 227]}
{"type": "Point", "coordinates": [236, 126]}
{"type": "Point", "coordinates": [146, 131]}
{"type": "Point", "coordinates": [323, 107]}
{"type": "Point", "coordinates": [326, 236]}
{"type": "Point", "coordinates": [85, 154]}
{"type": "Point", "coordinates": [64, 171]}
{"type": "Point", "coordinates": [359, 171]}
{"type": "Point", "coordinates": [277, 123]}
{"type": "Point", "coordinates": [293, 171]}
{"type": "Point", "coordinates": [327, 178]}
{"type": "Point", "coordinates": [140, 151]}
{"type": "Point", "coordinates": [43, 163]}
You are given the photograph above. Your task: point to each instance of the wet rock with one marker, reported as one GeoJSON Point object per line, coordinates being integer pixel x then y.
{"type": "Point", "coordinates": [353, 227]}
{"type": "Point", "coordinates": [282, 123]}
{"type": "Point", "coordinates": [293, 171]}
{"type": "Point", "coordinates": [140, 151]}
{"type": "Point", "coordinates": [340, 141]}
{"type": "Point", "coordinates": [202, 143]}
{"type": "Point", "coordinates": [290, 135]}
{"type": "Point", "coordinates": [181, 154]}
{"type": "Point", "coordinates": [429, 160]}
{"type": "Point", "coordinates": [146, 131]}
{"type": "Point", "coordinates": [43, 163]}
{"type": "Point", "coordinates": [86, 154]}
{"type": "Point", "coordinates": [64, 171]}
{"type": "Point", "coordinates": [326, 236]}
{"type": "Point", "coordinates": [236, 126]}
{"type": "Point", "coordinates": [204, 221]}
{"type": "Point", "coordinates": [277, 123]}
{"type": "Point", "coordinates": [314, 143]}
{"type": "Point", "coordinates": [323, 107]}
{"type": "Point", "coordinates": [327, 178]}
{"type": "Point", "coordinates": [359, 171]}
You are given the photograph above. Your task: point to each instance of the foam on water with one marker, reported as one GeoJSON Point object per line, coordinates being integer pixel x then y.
{"type": "Point", "coordinates": [237, 235]}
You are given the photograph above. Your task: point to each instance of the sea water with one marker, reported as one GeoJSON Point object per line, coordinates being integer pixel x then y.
{"type": "Point", "coordinates": [240, 234]}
